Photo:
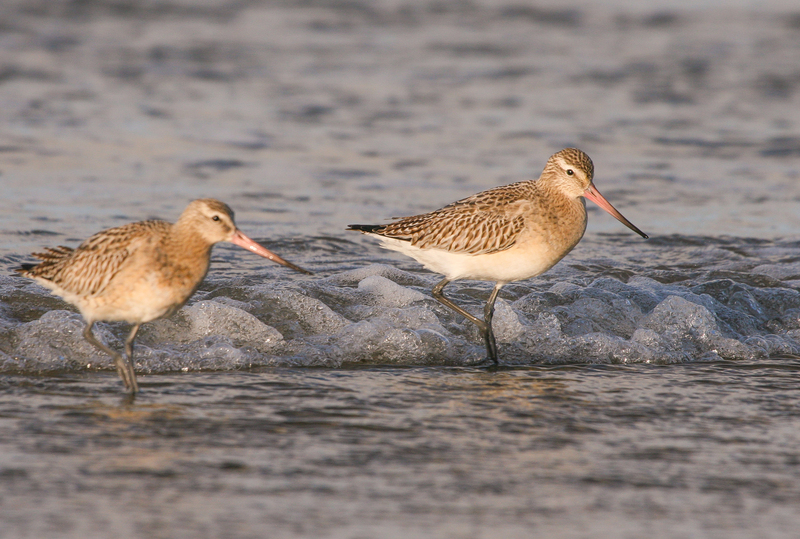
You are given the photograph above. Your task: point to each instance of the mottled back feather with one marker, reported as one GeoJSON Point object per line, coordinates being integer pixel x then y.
{"type": "Point", "coordinates": [87, 270]}
{"type": "Point", "coordinates": [483, 223]}
{"type": "Point", "coordinates": [492, 221]}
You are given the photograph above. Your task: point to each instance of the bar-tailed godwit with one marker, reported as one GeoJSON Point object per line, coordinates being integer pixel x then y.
{"type": "Point", "coordinates": [140, 271]}
{"type": "Point", "coordinates": [505, 234]}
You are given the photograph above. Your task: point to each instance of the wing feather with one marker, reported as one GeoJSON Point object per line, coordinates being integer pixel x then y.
{"type": "Point", "coordinates": [484, 223]}
{"type": "Point", "coordinates": [87, 270]}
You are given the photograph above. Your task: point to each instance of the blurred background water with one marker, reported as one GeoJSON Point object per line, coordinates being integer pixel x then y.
{"type": "Point", "coordinates": [649, 387]}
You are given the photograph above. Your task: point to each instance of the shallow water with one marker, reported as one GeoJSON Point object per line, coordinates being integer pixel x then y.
{"type": "Point", "coordinates": [694, 450]}
{"type": "Point", "coordinates": [648, 387]}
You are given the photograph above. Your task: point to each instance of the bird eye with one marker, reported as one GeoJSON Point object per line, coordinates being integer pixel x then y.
{"type": "Point", "coordinates": [570, 172]}
{"type": "Point", "coordinates": [215, 218]}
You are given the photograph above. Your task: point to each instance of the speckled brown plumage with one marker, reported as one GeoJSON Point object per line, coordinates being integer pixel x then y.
{"type": "Point", "coordinates": [140, 271]}
{"type": "Point", "coordinates": [492, 221]}
{"type": "Point", "coordinates": [88, 269]}
{"type": "Point", "coordinates": [481, 224]}
{"type": "Point", "coordinates": [505, 234]}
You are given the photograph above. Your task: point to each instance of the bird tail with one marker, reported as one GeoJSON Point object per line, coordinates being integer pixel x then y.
{"type": "Point", "coordinates": [49, 258]}
{"type": "Point", "coordinates": [366, 228]}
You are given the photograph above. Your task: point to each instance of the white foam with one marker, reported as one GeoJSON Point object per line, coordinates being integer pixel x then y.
{"type": "Point", "coordinates": [55, 342]}
{"type": "Point", "coordinates": [313, 315]}
{"type": "Point", "coordinates": [379, 314]}
{"type": "Point", "coordinates": [506, 324]}
{"type": "Point", "coordinates": [782, 272]}
{"type": "Point", "coordinates": [355, 276]}
{"type": "Point", "coordinates": [213, 318]}
{"type": "Point", "coordinates": [683, 325]}
{"type": "Point", "coordinates": [387, 293]}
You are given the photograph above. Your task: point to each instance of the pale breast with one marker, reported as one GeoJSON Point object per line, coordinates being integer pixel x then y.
{"type": "Point", "coordinates": [155, 281]}
{"type": "Point", "coordinates": [546, 235]}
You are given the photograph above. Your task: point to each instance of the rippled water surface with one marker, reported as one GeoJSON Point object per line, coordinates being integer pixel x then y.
{"type": "Point", "coordinates": [648, 388]}
{"type": "Point", "coordinates": [695, 450]}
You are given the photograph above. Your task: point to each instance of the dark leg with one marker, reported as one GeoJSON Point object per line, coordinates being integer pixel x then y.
{"type": "Point", "coordinates": [129, 353]}
{"type": "Point", "coordinates": [488, 335]}
{"type": "Point", "coordinates": [438, 294]}
{"type": "Point", "coordinates": [119, 361]}
{"type": "Point", "coordinates": [484, 326]}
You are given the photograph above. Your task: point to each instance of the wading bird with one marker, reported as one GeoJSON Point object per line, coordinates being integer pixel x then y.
{"type": "Point", "coordinates": [505, 234]}
{"type": "Point", "coordinates": [140, 271]}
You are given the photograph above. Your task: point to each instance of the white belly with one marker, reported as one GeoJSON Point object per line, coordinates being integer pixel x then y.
{"type": "Point", "coordinates": [521, 261]}
{"type": "Point", "coordinates": [132, 300]}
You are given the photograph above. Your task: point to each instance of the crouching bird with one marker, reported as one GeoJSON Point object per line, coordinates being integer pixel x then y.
{"type": "Point", "coordinates": [140, 271]}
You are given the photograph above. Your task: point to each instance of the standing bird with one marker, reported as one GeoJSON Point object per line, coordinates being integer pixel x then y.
{"type": "Point", "coordinates": [140, 271]}
{"type": "Point", "coordinates": [505, 234]}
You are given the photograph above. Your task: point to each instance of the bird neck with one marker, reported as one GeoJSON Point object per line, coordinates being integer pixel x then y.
{"type": "Point", "coordinates": [550, 191]}
{"type": "Point", "coordinates": [187, 227]}
{"type": "Point", "coordinates": [568, 213]}
{"type": "Point", "coordinates": [187, 242]}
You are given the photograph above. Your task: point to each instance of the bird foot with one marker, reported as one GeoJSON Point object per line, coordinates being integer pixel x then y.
{"type": "Point", "coordinates": [128, 399]}
{"type": "Point", "coordinates": [485, 362]}
{"type": "Point", "coordinates": [126, 373]}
